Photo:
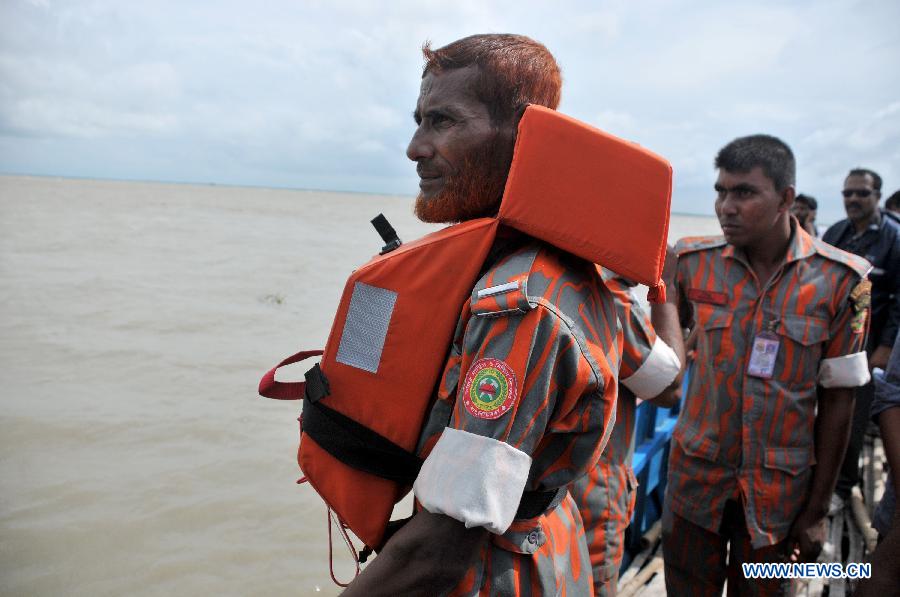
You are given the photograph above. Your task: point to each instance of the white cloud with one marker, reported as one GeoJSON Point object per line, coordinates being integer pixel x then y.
{"type": "Point", "coordinates": [619, 123]}
{"type": "Point", "coordinates": [882, 128]}
{"type": "Point", "coordinates": [603, 23]}
{"type": "Point", "coordinates": [301, 93]}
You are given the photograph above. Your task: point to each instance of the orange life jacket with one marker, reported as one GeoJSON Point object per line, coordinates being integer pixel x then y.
{"type": "Point", "coordinates": [571, 185]}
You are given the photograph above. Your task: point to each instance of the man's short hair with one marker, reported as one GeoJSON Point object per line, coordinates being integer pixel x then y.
{"type": "Point", "coordinates": [765, 151]}
{"type": "Point", "coordinates": [807, 200]}
{"type": "Point", "coordinates": [876, 180]}
{"type": "Point", "coordinates": [514, 71]}
{"type": "Point", "coordinates": [893, 202]}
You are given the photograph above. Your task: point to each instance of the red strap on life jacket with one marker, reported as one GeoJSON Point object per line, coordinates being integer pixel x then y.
{"type": "Point", "coordinates": [657, 293]}
{"type": "Point", "coordinates": [285, 390]}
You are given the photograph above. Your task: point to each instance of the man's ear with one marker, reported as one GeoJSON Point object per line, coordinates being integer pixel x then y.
{"type": "Point", "coordinates": [513, 123]}
{"type": "Point", "coordinates": [520, 112]}
{"type": "Point", "coordinates": [787, 198]}
{"type": "Point", "coordinates": [506, 133]}
{"type": "Point", "coordinates": [509, 129]}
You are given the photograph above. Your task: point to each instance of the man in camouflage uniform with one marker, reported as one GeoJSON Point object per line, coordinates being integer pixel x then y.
{"type": "Point", "coordinates": [649, 370]}
{"type": "Point", "coordinates": [781, 329]}
{"type": "Point", "coordinates": [527, 397]}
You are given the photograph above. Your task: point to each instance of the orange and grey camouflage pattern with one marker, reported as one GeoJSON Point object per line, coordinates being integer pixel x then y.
{"type": "Point", "coordinates": [698, 561]}
{"type": "Point", "coordinates": [605, 496]}
{"type": "Point", "coordinates": [537, 341]}
{"type": "Point", "coordinates": [749, 438]}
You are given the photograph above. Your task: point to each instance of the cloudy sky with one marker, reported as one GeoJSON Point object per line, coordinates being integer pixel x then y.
{"type": "Point", "coordinates": [318, 94]}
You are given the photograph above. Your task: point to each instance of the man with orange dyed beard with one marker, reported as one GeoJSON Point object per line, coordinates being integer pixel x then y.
{"type": "Point", "coordinates": [527, 396]}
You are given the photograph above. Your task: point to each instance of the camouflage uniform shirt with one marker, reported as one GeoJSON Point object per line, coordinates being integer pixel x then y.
{"type": "Point", "coordinates": [526, 402]}
{"type": "Point", "coordinates": [750, 438]}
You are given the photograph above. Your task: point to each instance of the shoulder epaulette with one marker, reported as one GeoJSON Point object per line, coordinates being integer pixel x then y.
{"type": "Point", "coordinates": [854, 262]}
{"type": "Point", "coordinates": [690, 244]}
{"type": "Point", "coordinates": [502, 290]}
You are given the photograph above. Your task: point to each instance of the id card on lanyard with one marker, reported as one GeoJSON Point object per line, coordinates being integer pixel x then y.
{"type": "Point", "coordinates": [764, 353]}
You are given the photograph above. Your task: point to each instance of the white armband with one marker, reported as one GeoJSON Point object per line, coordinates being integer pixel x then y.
{"type": "Point", "coordinates": [848, 371]}
{"type": "Point", "coordinates": [477, 480]}
{"type": "Point", "coordinates": [656, 373]}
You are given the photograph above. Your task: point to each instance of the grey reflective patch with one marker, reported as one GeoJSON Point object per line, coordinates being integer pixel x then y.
{"type": "Point", "coordinates": [366, 327]}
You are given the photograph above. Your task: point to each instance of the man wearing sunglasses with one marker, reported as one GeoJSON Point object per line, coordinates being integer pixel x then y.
{"type": "Point", "coordinates": [871, 233]}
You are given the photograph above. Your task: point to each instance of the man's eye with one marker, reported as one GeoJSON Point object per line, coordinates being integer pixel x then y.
{"type": "Point", "coordinates": [440, 121]}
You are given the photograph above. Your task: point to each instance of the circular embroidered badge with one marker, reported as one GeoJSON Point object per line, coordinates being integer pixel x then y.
{"type": "Point", "coordinates": [490, 389]}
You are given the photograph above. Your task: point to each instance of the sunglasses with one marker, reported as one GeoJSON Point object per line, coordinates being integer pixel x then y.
{"type": "Point", "coordinates": [847, 193]}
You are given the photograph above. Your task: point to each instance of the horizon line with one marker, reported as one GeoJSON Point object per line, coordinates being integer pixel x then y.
{"type": "Point", "coordinates": [248, 186]}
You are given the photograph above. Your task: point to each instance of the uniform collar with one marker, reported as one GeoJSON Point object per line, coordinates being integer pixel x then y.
{"type": "Point", "coordinates": [802, 244]}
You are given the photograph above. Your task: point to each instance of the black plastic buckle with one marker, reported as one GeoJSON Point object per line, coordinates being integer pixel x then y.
{"type": "Point", "coordinates": [316, 384]}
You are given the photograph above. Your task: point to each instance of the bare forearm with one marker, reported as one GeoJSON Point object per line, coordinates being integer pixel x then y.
{"type": "Point", "coordinates": [664, 318]}
{"type": "Point", "coordinates": [428, 556]}
{"type": "Point", "coordinates": [885, 565]}
{"type": "Point", "coordinates": [889, 422]}
{"type": "Point", "coordinates": [886, 559]}
{"type": "Point", "coordinates": [832, 434]}
{"type": "Point", "coordinates": [389, 575]}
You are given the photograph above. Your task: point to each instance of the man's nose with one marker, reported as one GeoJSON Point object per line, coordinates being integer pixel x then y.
{"type": "Point", "coordinates": [420, 147]}
{"type": "Point", "coordinates": [728, 205]}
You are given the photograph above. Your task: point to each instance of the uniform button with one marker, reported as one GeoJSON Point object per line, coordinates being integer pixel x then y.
{"type": "Point", "coordinates": [532, 537]}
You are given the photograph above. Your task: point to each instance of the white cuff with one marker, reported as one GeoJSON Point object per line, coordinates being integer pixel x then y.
{"type": "Point", "coordinates": [655, 374]}
{"type": "Point", "coordinates": [848, 371]}
{"type": "Point", "coordinates": [477, 480]}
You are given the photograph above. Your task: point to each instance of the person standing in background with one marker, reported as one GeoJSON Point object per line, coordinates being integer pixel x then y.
{"type": "Point", "coordinates": [804, 209]}
{"type": "Point", "coordinates": [869, 233]}
{"type": "Point", "coordinates": [892, 205]}
{"type": "Point", "coordinates": [650, 369]}
{"type": "Point", "coordinates": [781, 325]}
{"type": "Point", "coordinates": [886, 412]}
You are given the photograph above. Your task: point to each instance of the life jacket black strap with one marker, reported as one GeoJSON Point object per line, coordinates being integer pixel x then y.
{"type": "Point", "coordinates": [363, 449]}
{"type": "Point", "coordinates": [356, 445]}
{"type": "Point", "coordinates": [535, 503]}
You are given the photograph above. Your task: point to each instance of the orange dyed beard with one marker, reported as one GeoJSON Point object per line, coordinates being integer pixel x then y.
{"type": "Point", "coordinates": [473, 192]}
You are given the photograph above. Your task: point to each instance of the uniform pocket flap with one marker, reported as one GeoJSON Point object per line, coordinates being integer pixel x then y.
{"type": "Point", "coordinates": [805, 330]}
{"type": "Point", "coordinates": [790, 460]}
{"type": "Point", "coordinates": [712, 318]}
{"type": "Point", "coordinates": [694, 444]}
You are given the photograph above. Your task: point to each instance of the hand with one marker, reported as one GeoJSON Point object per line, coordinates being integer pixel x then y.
{"type": "Point", "coordinates": [690, 344]}
{"type": "Point", "coordinates": [885, 566]}
{"type": "Point", "coordinates": [807, 537]}
{"type": "Point", "coordinates": [875, 586]}
{"type": "Point", "coordinates": [880, 358]}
